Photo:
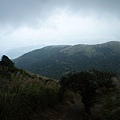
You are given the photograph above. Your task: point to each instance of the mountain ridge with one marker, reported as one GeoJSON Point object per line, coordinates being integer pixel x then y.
{"type": "Point", "coordinates": [55, 61]}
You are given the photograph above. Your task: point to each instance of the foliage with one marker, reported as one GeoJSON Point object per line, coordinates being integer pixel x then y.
{"type": "Point", "coordinates": [103, 79]}
{"type": "Point", "coordinates": [110, 103]}
{"type": "Point", "coordinates": [24, 101]}
{"type": "Point", "coordinates": [86, 84]}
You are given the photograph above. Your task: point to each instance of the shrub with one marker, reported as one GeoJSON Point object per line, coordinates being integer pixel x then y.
{"type": "Point", "coordinates": [86, 84]}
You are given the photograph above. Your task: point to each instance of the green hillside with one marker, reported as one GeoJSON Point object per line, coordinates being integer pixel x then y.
{"type": "Point", "coordinates": [86, 95]}
{"type": "Point", "coordinates": [23, 95]}
{"type": "Point", "coordinates": [55, 61]}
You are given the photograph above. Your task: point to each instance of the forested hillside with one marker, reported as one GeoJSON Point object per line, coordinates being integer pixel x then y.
{"type": "Point", "coordinates": [55, 61]}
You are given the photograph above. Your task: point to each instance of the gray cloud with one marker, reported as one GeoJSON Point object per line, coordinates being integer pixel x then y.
{"type": "Point", "coordinates": [58, 22]}
{"type": "Point", "coordinates": [29, 12]}
{"type": "Point", "coordinates": [20, 11]}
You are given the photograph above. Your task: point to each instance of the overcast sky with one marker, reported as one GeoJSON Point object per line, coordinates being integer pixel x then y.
{"type": "Point", "coordinates": [31, 22]}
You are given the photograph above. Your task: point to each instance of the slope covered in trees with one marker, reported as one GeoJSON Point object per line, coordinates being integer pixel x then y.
{"type": "Point", "coordinates": [55, 61]}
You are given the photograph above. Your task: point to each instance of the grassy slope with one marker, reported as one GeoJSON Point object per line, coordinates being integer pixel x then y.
{"type": "Point", "coordinates": [24, 96]}
{"type": "Point", "coordinates": [28, 96]}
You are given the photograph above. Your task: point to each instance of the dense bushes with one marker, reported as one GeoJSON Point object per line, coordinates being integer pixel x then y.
{"type": "Point", "coordinates": [86, 83]}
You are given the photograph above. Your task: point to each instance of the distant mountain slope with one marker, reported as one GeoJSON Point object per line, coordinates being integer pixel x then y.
{"type": "Point", "coordinates": [55, 61]}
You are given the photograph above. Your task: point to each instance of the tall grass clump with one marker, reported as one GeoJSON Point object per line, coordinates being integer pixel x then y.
{"type": "Point", "coordinates": [20, 100]}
